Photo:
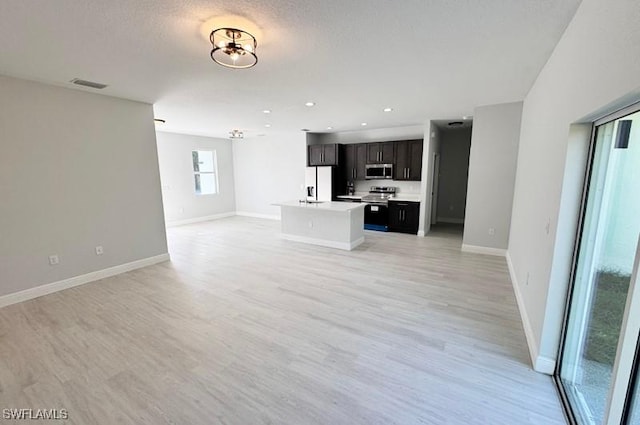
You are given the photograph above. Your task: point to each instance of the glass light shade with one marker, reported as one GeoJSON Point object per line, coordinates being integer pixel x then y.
{"type": "Point", "coordinates": [233, 48]}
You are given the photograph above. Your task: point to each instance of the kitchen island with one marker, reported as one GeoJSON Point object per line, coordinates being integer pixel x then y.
{"type": "Point", "coordinates": [332, 224]}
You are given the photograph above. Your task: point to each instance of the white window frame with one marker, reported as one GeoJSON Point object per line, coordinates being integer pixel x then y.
{"type": "Point", "coordinates": [198, 173]}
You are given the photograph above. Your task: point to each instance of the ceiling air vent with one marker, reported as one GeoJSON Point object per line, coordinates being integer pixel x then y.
{"type": "Point", "coordinates": [86, 83]}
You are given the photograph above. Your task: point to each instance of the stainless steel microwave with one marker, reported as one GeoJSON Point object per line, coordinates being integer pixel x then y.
{"type": "Point", "coordinates": [378, 171]}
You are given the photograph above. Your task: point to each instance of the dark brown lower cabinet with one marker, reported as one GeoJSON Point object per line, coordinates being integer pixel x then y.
{"type": "Point", "coordinates": [404, 216]}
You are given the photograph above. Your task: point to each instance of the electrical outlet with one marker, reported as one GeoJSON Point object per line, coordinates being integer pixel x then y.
{"type": "Point", "coordinates": [492, 231]}
{"type": "Point", "coordinates": [310, 224]}
{"type": "Point", "coordinates": [99, 250]}
{"type": "Point", "coordinates": [54, 260]}
{"type": "Point", "coordinates": [527, 281]}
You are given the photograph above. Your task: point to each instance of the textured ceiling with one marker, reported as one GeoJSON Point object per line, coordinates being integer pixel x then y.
{"type": "Point", "coordinates": [424, 58]}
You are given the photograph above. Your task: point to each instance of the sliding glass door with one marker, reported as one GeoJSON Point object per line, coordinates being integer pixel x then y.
{"type": "Point", "coordinates": [603, 270]}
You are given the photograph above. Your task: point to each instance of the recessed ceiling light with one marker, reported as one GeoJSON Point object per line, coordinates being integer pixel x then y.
{"type": "Point", "coordinates": [388, 109]}
{"type": "Point", "coordinates": [267, 111]}
{"type": "Point", "coordinates": [159, 121]}
{"type": "Point", "coordinates": [309, 104]}
{"type": "Point", "coordinates": [329, 128]}
{"type": "Point", "coordinates": [267, 125]}
{"type": "Point", "coordinates": [466, 117]}
{"type": "Point", "coordinates": [363, 124]}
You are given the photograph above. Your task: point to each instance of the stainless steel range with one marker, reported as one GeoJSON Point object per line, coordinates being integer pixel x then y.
{"type": "Point", "coordinates": [376, 215]}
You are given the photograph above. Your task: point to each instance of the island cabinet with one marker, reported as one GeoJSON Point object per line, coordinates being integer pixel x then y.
{"type": "Point", "coordinates": [380, 153]}
{"type": "Point", "coordinates": [355, 159]}
{"type": "Point", "coordinates": [320, 155]}
{"type": "Point", "coordinates": [404, 216]}
{"type": "Point", "coordinates": [408, 165]}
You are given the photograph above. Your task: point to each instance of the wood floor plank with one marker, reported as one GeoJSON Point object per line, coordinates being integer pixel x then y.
{"type": "Point", "coordinates": [242, 327]}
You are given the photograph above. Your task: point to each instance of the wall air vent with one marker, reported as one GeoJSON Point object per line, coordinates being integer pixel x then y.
{"type": "Point", "coordinates": [86, 83]}
{"type": "Point", "coordinates": [455, 123]}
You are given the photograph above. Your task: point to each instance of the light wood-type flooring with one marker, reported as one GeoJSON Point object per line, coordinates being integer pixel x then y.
{"type": "Point", "coordinates": [244, 328]}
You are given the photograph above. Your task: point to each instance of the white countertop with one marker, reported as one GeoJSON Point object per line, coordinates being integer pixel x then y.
{"type": "Point", "coordinates": [323, 206]}
{"type": "Point", "coordinates": [406, 198]}
{"type": "Point", "coordinates": [400, 197]}
{"type": "Point", "coordinates": [354, 197]}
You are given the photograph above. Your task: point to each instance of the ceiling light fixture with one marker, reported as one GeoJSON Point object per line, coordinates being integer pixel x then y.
{"type": "Point", "coordinates": [309, 104]}
{"type": "Point", "coordinates": [388, 109]}
{"type": "Point", "coordinates": [363, 124]}
{"type": "Point", "coordinates": [329, 128]}
{"type": "Point", "coordinates": [233, 48]}
{"type": "Point", "coordinates": [267, 125]}
{"type": "Point", "coordinates": [236, 134]}
{"type": "Point", "coordinates": [267, 111]}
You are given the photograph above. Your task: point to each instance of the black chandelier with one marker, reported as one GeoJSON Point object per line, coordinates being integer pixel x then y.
{"type": "Point", "coordinates": [233, 48]}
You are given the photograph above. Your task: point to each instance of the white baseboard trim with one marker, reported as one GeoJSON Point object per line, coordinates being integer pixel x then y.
{"type": "Point", "coordinates": [258, 215]}
{"type": "Point", "coordinates": [49, 288]}
{"type": "Point", "coordinates": [200, 219]}
{"type": "Point", "coordinates": [421, 233]}
{"type": "Point", "coordinates": [323, 242]}
{"type": "Point", "coordinates": [450, 220]}
{"type": "Point", "coordinates": [540, 363]}
{"type": "Point", "coordinates": [545, 365]}
{"type": "Point", "coordinates": [483, 250]}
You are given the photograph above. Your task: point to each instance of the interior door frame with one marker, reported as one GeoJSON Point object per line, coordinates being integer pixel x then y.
{"type": "Point", "coordinates": [434, 189]}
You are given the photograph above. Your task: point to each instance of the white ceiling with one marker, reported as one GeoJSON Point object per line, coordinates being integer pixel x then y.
{"type": "Point", "coordinates": [424, 58]}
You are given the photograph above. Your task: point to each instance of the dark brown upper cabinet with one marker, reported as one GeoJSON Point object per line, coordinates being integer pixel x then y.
{"type": "Point", "coordinates": [380, 153]}
{"type": "Point", "coordinates": [319, 155]}
{"type": "Point", "coordinates": [355, 159]}
{"type": "Point", "coordinates": [408, 165]}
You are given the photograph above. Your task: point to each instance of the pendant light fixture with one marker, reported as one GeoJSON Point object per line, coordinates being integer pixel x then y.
{"type": "Point", "coordinates": [233, 48]}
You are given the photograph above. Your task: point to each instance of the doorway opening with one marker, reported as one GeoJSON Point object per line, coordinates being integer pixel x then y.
{"type": "Point", "coordinates": [450, 165]}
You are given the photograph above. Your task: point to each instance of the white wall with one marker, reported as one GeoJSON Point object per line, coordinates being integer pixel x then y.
{"type": "Point", "coordinates": [369, 135]}
{"type": "Point", "coordinates": [594, 69]}
{"type": "Point", "coordinates": [181, 204]}
{"type": "Point", "coordinates": [77, 170]}
{"type": "Point", "coordinates": [268, 170]}
{"type": "Point", "coordinates": [452, 180]}
{"type": "Point", "coordinates": [492, 171]}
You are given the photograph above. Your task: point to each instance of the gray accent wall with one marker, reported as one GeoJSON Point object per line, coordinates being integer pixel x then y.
{"type": "Point", "coordinates": [492, 171]}
{"type": "Point", "coordinates": [77, 170]}
{"type": "Point", "coordinates": [176, 172]}
{"type": "Point", "coordinates": [452, 180]}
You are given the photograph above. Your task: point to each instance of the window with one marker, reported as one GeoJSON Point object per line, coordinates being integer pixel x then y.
{"type": "Point", "coordinates": [205, 172]}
